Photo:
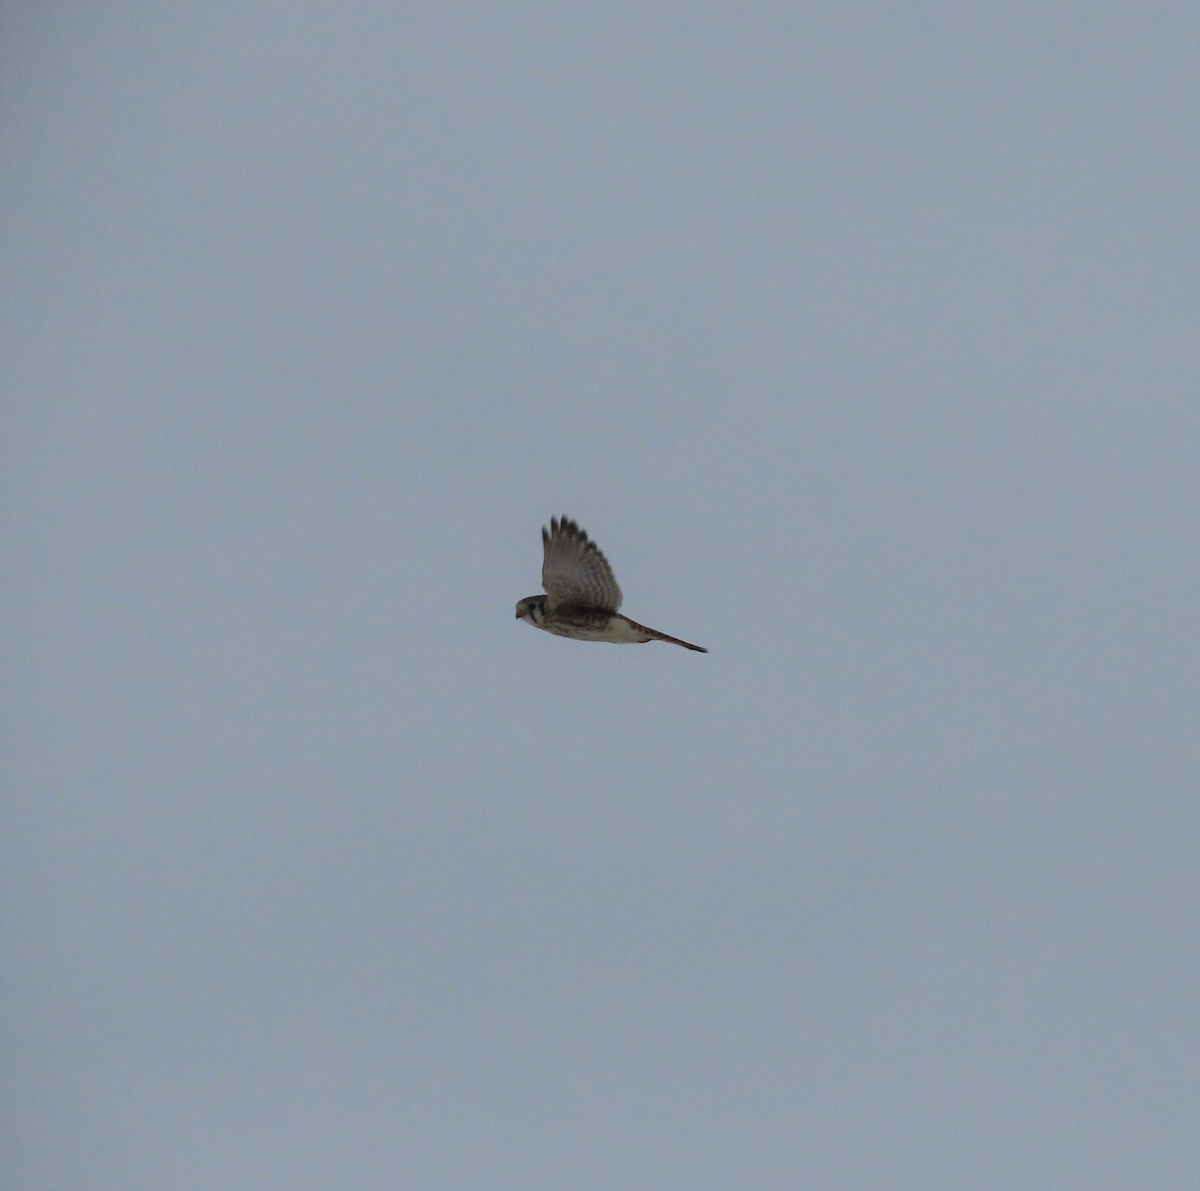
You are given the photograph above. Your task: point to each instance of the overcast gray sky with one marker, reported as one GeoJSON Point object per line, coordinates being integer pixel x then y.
{"type": "Point", "coordinates": [863, 338]}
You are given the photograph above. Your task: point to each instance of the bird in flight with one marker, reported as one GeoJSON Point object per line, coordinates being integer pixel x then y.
{"type": "Point", "coordinates": [582, 596]}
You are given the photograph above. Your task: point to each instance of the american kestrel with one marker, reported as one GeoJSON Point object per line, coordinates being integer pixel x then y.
{"type": "Point", "coordinates": [582, 596]}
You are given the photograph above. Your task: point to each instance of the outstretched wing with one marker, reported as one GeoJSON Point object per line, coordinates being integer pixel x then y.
{"type": "Point", "coordinates": [573, 569]}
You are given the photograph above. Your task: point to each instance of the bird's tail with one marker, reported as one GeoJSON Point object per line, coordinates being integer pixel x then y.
{"type": "Point", "coordinates": [657, 636]}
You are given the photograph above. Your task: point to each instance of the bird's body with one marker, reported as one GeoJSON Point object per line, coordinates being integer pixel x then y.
{"type": "Point", "coordinates": [582, 596]}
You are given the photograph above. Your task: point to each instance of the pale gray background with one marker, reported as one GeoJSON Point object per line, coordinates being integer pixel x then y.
{"type": "Point", "coordinates": [864, 340]}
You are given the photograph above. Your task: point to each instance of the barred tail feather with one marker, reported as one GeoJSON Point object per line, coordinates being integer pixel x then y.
{"type": "Point", "coordinates": [673, 640]}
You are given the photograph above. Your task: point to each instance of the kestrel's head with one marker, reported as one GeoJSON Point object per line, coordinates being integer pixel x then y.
{"type": "Point", "coordinates": [532, 609]}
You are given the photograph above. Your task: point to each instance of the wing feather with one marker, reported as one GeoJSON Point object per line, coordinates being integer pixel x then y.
{"type": "Point", "coordinates": [574, 571]}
